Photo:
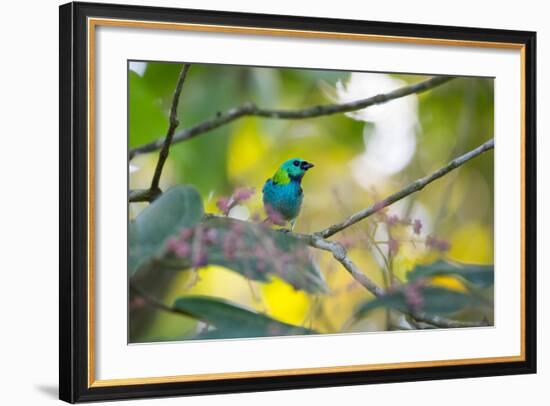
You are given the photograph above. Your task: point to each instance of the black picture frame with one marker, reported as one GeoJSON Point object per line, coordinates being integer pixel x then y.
{"type": "Point", "coordinates": [74, 200]}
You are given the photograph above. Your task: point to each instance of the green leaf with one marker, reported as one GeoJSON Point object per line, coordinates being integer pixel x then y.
{"type": "Point", "coordinates": [234, 321]}
{"type": "Point", "coordinates": [178, 207]}
{"type": "Point", "coordinates": [436, 300]}
{"type": "Point", "coordinates": [261, 251]}
{"type": "Point", "coordinates": [480, 275]}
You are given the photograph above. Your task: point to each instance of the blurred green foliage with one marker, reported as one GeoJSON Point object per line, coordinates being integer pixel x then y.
{"type": "Point", "coordinates": [458, 209]}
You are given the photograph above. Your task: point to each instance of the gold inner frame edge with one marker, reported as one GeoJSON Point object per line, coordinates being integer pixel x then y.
{"type": "Point", "coordinates": [92, 23]}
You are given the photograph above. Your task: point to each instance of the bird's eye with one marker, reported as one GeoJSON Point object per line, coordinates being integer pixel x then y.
{"type": "Point", "coordinates": [296, 163]}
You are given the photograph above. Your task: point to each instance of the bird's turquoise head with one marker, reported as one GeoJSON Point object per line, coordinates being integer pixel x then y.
{"type": "Point", "coordinates": [293, 169]}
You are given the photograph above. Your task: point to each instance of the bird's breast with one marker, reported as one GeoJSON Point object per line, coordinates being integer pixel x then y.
{"type": "Point", "coordinates": [286, 199]}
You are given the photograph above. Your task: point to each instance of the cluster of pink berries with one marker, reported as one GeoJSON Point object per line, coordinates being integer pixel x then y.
{"type": "Point", "coordinates": [437, 244]}
{"type": "Point", "coordinates": [393, 219]}
{"type": "Point", "coordinates": [241, 194]}
{"type": "Point", "coordinates": [413, 295]}
{"type": "Point", "coordinates": [191, 243]}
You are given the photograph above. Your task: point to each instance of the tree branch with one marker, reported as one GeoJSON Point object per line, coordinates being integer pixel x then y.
{"type": "Point", "coordinates": [154, 189]}
{"type": "Point", "coordinates": [413, 187]}
{"type": "Point", "coordinates": [142, 195]}
{"type": "Point", "coordinates": [340, 254]}
{"type": "Point", "coordinates": [310, 112]}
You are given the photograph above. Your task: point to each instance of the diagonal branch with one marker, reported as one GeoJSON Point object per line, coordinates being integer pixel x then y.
{"type": "Point", "coordinates": [340, 254]}
{"type": "Point", "coordinates": [310, 112]}
{"type": "Point", "coordinates": [413, 187]}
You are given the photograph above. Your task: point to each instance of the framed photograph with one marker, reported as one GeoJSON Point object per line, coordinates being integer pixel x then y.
{"type": "Point", "coordinates": [257, 202]}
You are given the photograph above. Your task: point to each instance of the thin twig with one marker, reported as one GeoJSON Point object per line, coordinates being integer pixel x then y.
{"type": "Point", "coordinates": [413, 187]}
{"type": "Point", "coordinates": [173, 124]}
{"type": "Point", "coordinates": [310, 112]}
{"type": "Point", "coordinates": [142, 195]}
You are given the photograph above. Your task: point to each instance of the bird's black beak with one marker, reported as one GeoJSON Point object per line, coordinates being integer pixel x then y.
{"type": "Point", "coordinates": [306, 165]}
